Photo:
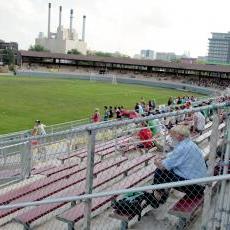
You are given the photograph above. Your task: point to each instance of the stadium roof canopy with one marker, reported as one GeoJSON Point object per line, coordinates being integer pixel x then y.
{"type": "Point", "coordinates": [127, 61]}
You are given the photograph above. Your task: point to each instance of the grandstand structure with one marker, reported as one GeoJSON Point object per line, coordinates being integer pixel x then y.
{"type": "Point", "coordinates": [69, 178]}
{"type": "Point", "coordinates": [30, 58]}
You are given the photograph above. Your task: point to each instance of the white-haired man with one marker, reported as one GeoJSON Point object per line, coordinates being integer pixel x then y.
{"type": "Point", "coordinates": [185, 162]}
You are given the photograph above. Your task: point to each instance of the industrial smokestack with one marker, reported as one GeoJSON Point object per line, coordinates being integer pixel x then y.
{"type": "Point", "coordinates": [49, 15]}
{"type": "Point", "coordinates": [60, 15]}
{"type": "Point", "coordinates": [83, 28]}
{"type": "Point", "coordinates": [71, 24]}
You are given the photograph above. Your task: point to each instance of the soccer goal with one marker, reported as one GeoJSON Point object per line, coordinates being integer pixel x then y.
{"type": "Point", "coordinates": [106, 77]}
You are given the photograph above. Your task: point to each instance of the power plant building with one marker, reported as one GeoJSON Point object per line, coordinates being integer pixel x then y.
{"type": "Point", "coordinates": [64, 39]}
{"type": "Point", "coordinates": [219, 48]}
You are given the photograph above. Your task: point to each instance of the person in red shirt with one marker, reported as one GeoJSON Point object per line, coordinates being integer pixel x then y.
{"type": "Point", "coordinates": [145, 136]}
{"type": "Point", "coordinates": [96, 116]}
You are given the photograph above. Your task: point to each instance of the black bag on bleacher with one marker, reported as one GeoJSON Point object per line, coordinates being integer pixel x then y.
{"type": "Point", "coordinates": [129, 205]}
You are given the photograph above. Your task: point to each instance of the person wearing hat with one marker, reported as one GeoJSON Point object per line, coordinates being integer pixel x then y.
{"type": "Point", "coordinates": [185, 162]}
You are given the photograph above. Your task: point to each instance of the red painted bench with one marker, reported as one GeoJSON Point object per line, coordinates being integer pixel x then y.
{"type": "Point", "coordinates": [64, 157]}
{"type": "Point", "coordinates": [58, 169]}
{"type": "Point", "coordinates": [76, 213]}
{"type": "Point", "coordinates": [41, 170]}
{"type": "Point", "coordinates": [105, 149]}
{"type": "Point", "coordinates": [42, 183]}
{"type": "Point", "coordinates": [60, 185]}
{"type": "Point", "coordinates": [106, 152]}
{"type": "Point", "coordinates": [66, 167]}
{"type": "Point", "coordinates": [186, 208]}
{"type": "Point", "coordinates": [99, 147]}
{"type": "Point", "coordinates": [28, 217]}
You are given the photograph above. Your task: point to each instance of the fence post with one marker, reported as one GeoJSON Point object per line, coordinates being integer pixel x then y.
{"type": "Point", "coordinates": [221, 217]}
{"type": "Point", "coordinates": [116, 142]}
{"type": "Point", "coordinates": [89, 178]}
{"type": "Point", "coordinates": [211, 165]}
{"type": "Point", "coordinates": [26, 160]}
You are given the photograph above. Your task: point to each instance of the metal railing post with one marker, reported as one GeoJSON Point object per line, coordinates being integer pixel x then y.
{"type": "Point", "coordinates": [116, 142]}
{"type": "Point", "coordinates": [222, 216]}
{"type": "Point", "coordinates": [26, 160]}
{"type": "Point", "coordinates": [89, 178]}
{"type": "Point", "coordinates": [211, 165]}
{"type": "Point", "coordinates": [223, 183]}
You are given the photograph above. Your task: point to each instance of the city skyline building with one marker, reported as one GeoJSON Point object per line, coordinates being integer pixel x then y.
{"type": "Point", "coordinates": [219, 48]}
{"type": "Point", "coordinates": [147, 54]}
{"type": "Point", "coordinates": [166, 56]}
{"type": "Point", "coordinates": [7, 45]}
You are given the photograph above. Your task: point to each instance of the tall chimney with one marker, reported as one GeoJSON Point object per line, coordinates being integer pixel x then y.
{"type": "Point", "coordinates": [71, 24]}
{"type": "Point", "coordinates": [49, 15]}
{"type": "Point", "coordinates": [83, 28]}
{"type": "Point", "coordinates": [60, 15]}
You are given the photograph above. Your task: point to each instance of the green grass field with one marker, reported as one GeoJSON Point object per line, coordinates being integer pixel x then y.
{"type": "Point", "coordinates": [53, 101]}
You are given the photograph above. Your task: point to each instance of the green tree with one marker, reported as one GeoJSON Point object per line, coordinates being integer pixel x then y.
{"type": "Point", "coordinates": [37, 48]}
{"type": "Point", "coordinates": [103, 54]}
{"type": "Point", "coordinates": [8, 57]}
{"type": "Point", "coordinates": [74, 51]}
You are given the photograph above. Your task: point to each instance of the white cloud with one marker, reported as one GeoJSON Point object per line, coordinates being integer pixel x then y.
{"type": "Point", "coordinates": [122, 25]}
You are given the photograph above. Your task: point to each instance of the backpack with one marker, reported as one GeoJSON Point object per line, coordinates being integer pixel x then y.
{"type": "Point", "coordinates": [129, 205]}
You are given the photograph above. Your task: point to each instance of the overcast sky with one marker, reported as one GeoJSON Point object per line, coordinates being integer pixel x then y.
{"type": "Point", "coordinates": [122, 25]}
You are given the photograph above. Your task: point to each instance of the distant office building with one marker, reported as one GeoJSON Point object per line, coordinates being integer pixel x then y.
{"type": "Point", "coordinates": [219, 48]}
{"type": "Point", "coordinates": [147, 54]}
{"type": "Point", "coordinates": [202, 59]}
{"type": "Point", "coordinates": [166, 56]}
{"type": "Point", "coordinates": [137, 56]}
{"type": "Point", "coordinates": [7, 45]}
{"type": "Point", "coordinates": [188, 60]}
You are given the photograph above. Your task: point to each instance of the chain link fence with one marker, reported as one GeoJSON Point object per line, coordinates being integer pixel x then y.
{"type": "Point", "coordinates": [143, 173]}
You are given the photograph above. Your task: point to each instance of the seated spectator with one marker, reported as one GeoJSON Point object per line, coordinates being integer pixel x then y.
{"type": "Point", "coordinates": [140, 109]}
{"type": "Point", "coordinates": [199, 122]}
{"type": "Point", "coordinates": [136, 108]}
{"type": "Point", "coordinates": [170, 101]}
{"type": "Point", "coordinates": [150, 103]}
{"type": "Point", "coordinates": [145, 136]}
{"type": "Point", "coordinates": [157, 130]}
{"type": "Point", "coordinates": [130, 114]}
{"type": "Point", "coordinates": [106, 113]}
{"type": "Point", "coordinates": [110, 112]}
{"type": "Point", "coordinates": [185, 162]}
{"type": "Point", "coordinates": [118, 113]}
{"type": "Point", "coordinates": [142, 102]}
